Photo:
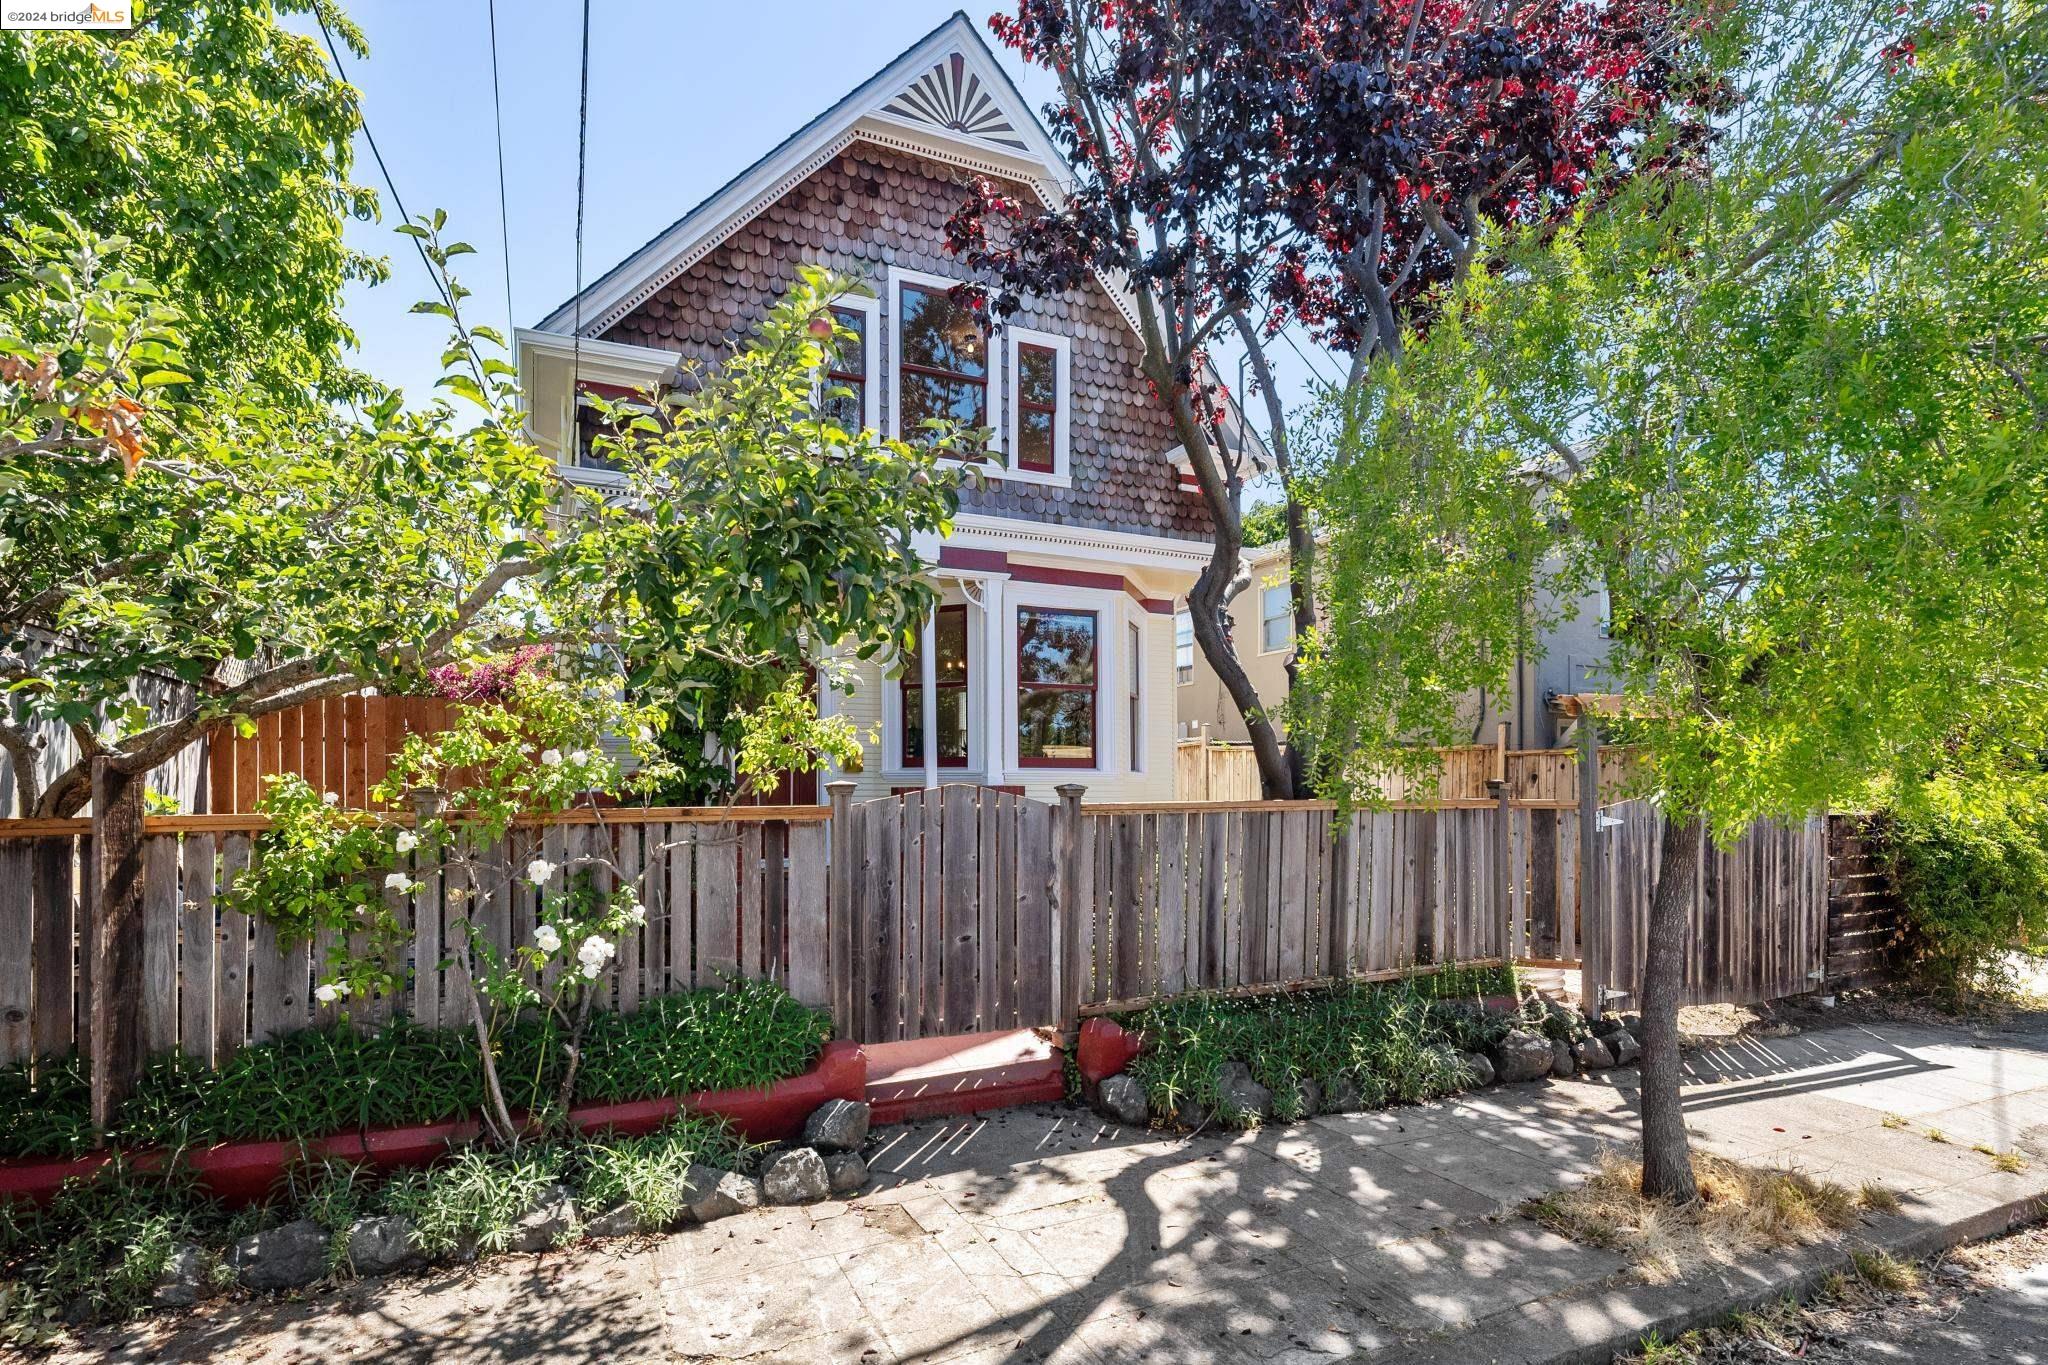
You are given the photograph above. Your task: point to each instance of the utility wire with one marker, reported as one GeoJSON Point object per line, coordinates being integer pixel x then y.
{"type": "Point", "coordinates": [504, 217]}
{"type": "Point", "coordinates": [582, 165]}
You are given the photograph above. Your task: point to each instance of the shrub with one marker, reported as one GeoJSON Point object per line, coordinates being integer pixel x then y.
{"type": "Point", "coordinates": [1397, 1042]}
{"type": "Point", "coordinates": [474, 1198]}
{"type": "Point", "coordinates": [319, 1081]}
{"type": "Point", "coordinates": [1970, 861]}
{"type": "Point", "coordinates": [648, 1172]}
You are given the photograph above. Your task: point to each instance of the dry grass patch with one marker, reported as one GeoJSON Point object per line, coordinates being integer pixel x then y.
{"type": "Point", "coordinates": [1895, 1121]}
{"type": "Point", "coordinates": [1741, 1210]}
{"type": "Point", "coordinates": [1877, 1199]}
{"type": "Point", "coordinates": [2012, 1163]}
{"type": "Point", "coordinates": [1936, 1135]}
{"type": "Point", "coordinates": [1884, 1272]}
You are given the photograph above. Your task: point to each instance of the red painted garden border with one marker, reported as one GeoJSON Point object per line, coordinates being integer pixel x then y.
{"type": "Point", "coordinates": [243, 1172]}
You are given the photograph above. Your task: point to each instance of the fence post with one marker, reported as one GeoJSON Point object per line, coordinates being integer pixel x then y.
{"type": "Point", "coordinates": [1504, 876]}
{"type": "Point", "coordinates": [1589, 909]}
{"type": "Point", "coordinates": [839, 906]}
{"type": "Point", "coordinates": [1066, 848]}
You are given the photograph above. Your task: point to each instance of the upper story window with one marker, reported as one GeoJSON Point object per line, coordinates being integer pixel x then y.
{"type": "Point", "coordinates": [1056, 673]}
{"type": "Point", "coordinates": [1040, 365]}
{"type": "Point", "coordinates": [1276, 618]}
{"type": "Point", "coordinates": [941, 360]}
{"type": "Point", "coordinates": [597, 439]}
{"type": "Point", "coordinates": [849, 388]}
{"type": "Point", "coordinates": [1183, 647]}
{"type": "Point", "coordinates": [949, 688]}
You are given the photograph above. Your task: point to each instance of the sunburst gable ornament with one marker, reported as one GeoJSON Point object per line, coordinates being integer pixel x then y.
{"type": "Point", "coordinates": [951, 97]}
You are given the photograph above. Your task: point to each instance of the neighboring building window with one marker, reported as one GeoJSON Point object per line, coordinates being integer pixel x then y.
{"type": "Point", "coordinates": [1056, 658]}
{"type": "Point", "coordinates": [942, 368]}
{"type": "Point", "coordinates": [1276, 619]}
{"type": "Point", "coordinates": [951, 677]}
{"type": "Point", "coordinates": [1183, 647]}
{"type": "Point", "coordinates": [849, 372]}
{"type": "Point", "coordinates": [1131, 688]}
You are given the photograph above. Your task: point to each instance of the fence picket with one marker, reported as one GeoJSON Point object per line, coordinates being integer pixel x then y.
{"type": "Point", "coordinates": [231, 954]}
{"type": "Point", "coordinates": [17, 974]}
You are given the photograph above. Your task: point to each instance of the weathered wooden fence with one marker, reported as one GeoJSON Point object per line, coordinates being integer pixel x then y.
{"type": "Point", "coordinates": [1203, 771]}
{"type": "Point", "coordinates": [1758, 919]}
{"type": "Point", "coordinates": [957, 910]}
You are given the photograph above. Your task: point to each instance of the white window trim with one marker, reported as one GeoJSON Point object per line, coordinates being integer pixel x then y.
{"type": "Point", "coordinates": [898, 277]}
{"type": "Point", "coordinates": [870, 308]}
{"type": "Point", "coordinates": [1263, 618]}
{"type": "Point", "coordinates": [1062, 475]}
{"type": "Point", "coordinates": [1110, 740]}
{"type": "Point", "coordinates": [894, 768]}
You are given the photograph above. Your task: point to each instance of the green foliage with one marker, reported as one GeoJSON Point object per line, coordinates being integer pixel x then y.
{"type": "Point", "coordinates": [1265, 524]}
{"type": "Point", "coordinates": [320, 1081]}
{"type": "Point", "coordinates": [1969, 856]}
{"type": "Point", "coordinates": [649, 1172]}
{"type": "Point", "coordinates": [473, 1198]}
{"type": "Point", "coordinates": [220, 144]}
{"type": "Point", "coordinates": [95, 1250]}
{"type": "Point", "coordinates": [786, 733]}
{"type": "Point", "coordinates": [1398, 1042]}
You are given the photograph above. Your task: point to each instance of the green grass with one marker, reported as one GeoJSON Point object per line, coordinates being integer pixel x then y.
{"type": "Point", "coordinates": [330, 1080]}
{"type": "Point", "coordinates": [648, 1172]}
{"type": "Point", "coordinates": [1399, 1042]}
{"type": "Point", "coordinates": [473, 1198]}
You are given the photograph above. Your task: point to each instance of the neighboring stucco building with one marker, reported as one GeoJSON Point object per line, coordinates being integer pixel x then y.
{"type": "Point", "coordinates": [1572, 657]}
{"type": "Point", "coordinates": [1054, 646]}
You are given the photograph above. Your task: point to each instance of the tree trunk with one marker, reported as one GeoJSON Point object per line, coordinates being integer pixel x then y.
{"type": "Point", "coordinates": [117, 985]}
{"type": "Point", "coordinates": [1205, 613]}
{"type": "Point", "coordinates": [1667, 1155]}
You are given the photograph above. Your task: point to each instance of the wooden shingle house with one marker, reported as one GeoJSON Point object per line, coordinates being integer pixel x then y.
{"type": "Point", "coordinates": [1052, 657]}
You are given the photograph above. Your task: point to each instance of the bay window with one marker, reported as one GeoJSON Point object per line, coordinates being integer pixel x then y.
{"type": "Point", "coordinates": [1056, 681]}
{"type": "Point", "coordinates": [950, 690]}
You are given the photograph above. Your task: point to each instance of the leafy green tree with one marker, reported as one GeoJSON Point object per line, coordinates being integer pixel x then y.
{"type": "Point", "coordinates": [218, 143]}
{"type": "Point", "coordinates": [1789, 404]}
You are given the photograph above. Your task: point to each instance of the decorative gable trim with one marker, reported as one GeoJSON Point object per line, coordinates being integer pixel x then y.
{"type": "Point", "coordinates": [951, 97]}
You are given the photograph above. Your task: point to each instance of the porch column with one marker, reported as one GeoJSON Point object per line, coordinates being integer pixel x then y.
{"type": "Point", "coordinates": [995, 657]}
{"type": "Point", "coordinates": [928, 675]}
{"type": "Point", "coordinates": [828, 706]}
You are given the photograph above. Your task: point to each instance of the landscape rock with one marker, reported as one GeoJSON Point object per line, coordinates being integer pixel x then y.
{"type": "Point", "coordinates": [282, 1258]}
{"type": "Point", "coordinates": [550, 1222]}
{"type": "Point", "coordinates": [847, 1172]}
{"type": "Point", "coordinates": [1480, 1067]}
{"type": "Point", "coordinates": [378, 1246]}
{"type": "Point", "coordinates": [186, 1278]}
{"type": "Point", "coordinates": [1563, 1064]}
{"type": "Point", "coordinates": [1522, 1056]}
{"type": "Point", "coordinates": [1191, 1116]}
{"type": "Point", "coordinates": [837, 1126]}
{"type": "Point", "coordinates": [1244, 1099]}
{"type": "Point", "coordinates": [796, 1176]}
{"type": "Point", "coordinates": [1594, 1054]}
{"type": "Point", "coordinates": [1121, 1098]}
{"type": "Point", "coordinates": [620, 1220]}
{"type": "Point", "coordinates": [1308, 1100]}
{"type": "Point", "coordinates": [1341, 1096]}
{"type": "Point", "coordinates": [716, 1194]}
{"type": "Point", "coordinates": [1626, 1048]}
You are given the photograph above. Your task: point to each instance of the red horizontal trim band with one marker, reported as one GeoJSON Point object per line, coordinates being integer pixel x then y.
{"type": "Point", "coordinates": [604, 390]}
{"type": "Point", "coordinates": [1066, 578]}
{"type": "Point", "coordinates": [987, 561]}
{"type": "Point", "coordinates": [1158, 606]}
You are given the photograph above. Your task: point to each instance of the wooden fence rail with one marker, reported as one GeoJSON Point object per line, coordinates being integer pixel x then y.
{"type": "Point", "coordinates": [950, 911]}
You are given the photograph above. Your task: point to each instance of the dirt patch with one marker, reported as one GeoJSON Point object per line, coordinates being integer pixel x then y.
{"type": "Point", "coordinates": [1741, 1210]}
{"type": "Point", "coordinates": [1977, 1302]}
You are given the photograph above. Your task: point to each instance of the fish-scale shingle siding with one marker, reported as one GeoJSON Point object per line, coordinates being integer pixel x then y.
{"type": "Point", "coordinates": [873, 208]}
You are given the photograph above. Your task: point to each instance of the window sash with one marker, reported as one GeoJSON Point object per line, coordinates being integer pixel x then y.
{"type": "Point", "coordinates": [1269, 617]}
{"type": "Point", "coordinates": [910, 689]}
{"type": "Point", "coordinates": [1027, 689]}
{"type": "Point", "coordinates": [1050, 411]}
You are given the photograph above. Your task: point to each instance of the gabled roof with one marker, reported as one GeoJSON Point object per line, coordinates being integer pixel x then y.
{"type": "Point", "coordinates": [945, 95]}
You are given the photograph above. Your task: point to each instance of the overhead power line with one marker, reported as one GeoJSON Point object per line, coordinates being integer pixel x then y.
{"type": "Point", "coordinates": [504, 217]}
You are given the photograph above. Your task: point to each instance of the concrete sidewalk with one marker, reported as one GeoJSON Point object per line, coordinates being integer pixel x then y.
{"type": "Point", "coordinates": [1044, 1235]}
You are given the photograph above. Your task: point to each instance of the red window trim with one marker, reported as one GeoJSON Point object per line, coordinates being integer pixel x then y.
{"type": "Point", "coordinates": [1092, 687]}
{"type": "Point", "coordinates": [1051, 410]}
{"type": "Point", "coordinates": [906, 682]}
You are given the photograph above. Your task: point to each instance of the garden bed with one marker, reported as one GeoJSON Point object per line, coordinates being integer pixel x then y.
{"type": "Point", "coordinates": [242, 1172]}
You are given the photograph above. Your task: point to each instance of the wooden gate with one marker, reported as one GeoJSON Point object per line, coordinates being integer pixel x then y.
{"type": "Point", "coordinates": [1758, 922]}
{"type": "Point", "coordinates": [953, 899]}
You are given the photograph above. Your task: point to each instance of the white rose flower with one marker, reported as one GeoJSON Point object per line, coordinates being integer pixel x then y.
{"type": "Point", "coordinates": [400, 883]}
{"type": "Point", "coordinates": [546, 939]}
{"type": "Point", "coordinates": [580, 757]}
{"type": "Point", "coordinates": [636, 914]}
{"type": "Point", "coordinates": [331, 799]}
{"type": "Point", "coordinates": [539, 870]}
{"type": "Point", "coordinates": [551, 758]}
{"type": "Point", "coordinates": [406, 841]}
{"type": "Point", "coordinates": [647, 734]}
{"type": "Point", "coordinates": [591, 969]}
{"type": "Point", "coordinates": [328, 993]}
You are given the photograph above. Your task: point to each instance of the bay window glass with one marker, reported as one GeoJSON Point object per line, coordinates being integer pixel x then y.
{"type": "Point", "coordinates": [951, 693]}
{"type": "Point", "coordinates": [943, 371]}
{"type": "Point", "coordinates": [1056, 673]}
{"type": "Point", "coordinates": [848, 372]}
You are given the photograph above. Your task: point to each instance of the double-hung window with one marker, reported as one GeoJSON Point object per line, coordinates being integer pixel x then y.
{"type": "Point", "coordinates": [950, 690]}
{"type": "Point", "coordinates": [1183, 647]}
{"type": "Point", "coordinates": [1037, 432]}
{"type": "Point", "coordinates": [1276, 618]}
{"type": "Point", "coordinates": [941, 360]}
{"type": "Point", "coordinates": [1056, 682]}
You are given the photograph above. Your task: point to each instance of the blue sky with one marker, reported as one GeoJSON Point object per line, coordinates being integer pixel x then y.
{"type": "Point", "coordinates": [683, 95]}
